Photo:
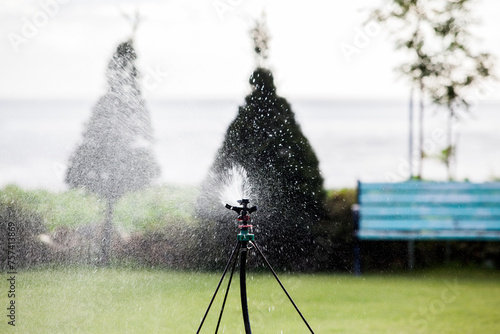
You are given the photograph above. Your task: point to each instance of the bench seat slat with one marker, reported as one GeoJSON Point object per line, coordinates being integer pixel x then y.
{"type": "Point", "coordinates": [428, 186]}
{"type": "Point", "coordinates": [419, 225]}
{"type": "Point", "coordinates": [401, 212]}
{"type": "Point", "coordinates": [468, 198]}
{"type": "Point", "coordinates": [429, 235]}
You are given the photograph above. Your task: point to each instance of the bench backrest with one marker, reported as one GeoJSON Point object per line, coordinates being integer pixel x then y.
{"type": "Point", "coordinates": [429, 210]}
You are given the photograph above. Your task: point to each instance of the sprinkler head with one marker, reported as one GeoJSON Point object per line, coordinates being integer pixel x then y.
{"type": "Point", "coordinates": [242, 210]}
{"type": "Point", "coordinates": [244, 218]}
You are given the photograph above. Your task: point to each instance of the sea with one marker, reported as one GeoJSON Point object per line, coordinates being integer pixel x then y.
{"type": "Point", "coordinates": [354, 140]}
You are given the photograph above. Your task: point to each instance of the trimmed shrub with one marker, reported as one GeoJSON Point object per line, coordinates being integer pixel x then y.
{"type": "Point", "coordinates": [20, 242]}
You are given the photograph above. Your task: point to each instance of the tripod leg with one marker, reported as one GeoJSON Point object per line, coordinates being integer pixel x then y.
{"type": "Point", "coordinates": [227, 292]}
{"type": "Point", "coordinates": [218, 286]}
{"type": "Point", "coordinates": [243, 287]}
{"type": "Point", "coordinates": [281, 284]}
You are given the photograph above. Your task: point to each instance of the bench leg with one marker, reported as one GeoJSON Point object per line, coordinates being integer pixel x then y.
{"type": "Point", "coordinates": [447, 252]}
{"type": "Point", "coordinates": [411, 254]}
{"type": "Point", "coordinates": [357, 259]}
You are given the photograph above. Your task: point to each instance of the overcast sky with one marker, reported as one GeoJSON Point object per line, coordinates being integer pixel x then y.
{"type": "Point", "coordinates": [202, 48]}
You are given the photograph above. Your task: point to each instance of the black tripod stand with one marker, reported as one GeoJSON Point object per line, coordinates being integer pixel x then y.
{"type": "Point", "coordinates": [245, 238]}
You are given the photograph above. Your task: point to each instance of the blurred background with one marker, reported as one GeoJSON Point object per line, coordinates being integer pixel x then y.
{"type": "Point", "coordinates": [149, 254]}
{"type": "Point", "coordinates": [194, 61]}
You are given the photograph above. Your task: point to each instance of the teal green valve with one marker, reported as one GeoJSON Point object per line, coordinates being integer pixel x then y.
{"type": "Point", "coordinates": [245, 233]}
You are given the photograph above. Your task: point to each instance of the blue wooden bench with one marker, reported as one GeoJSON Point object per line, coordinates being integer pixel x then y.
{"type": "Point", "coordinates": [417, 210]}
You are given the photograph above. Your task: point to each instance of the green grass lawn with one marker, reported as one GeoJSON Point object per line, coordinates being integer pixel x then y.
{"type": "Point", "coordinates": [90, 300]}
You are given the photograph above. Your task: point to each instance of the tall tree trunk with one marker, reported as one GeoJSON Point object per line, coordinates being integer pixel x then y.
{"type": "Point", "coordinates": [107, 234]}
{"type": "Point", "coordinates": [421, 132]}
{"type": "Point", "coordinates": [449, 153]}
{"type": "Point", "coordinates": [410, 139]}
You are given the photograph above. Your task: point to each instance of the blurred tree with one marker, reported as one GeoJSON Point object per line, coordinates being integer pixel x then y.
{"type": "Point", "coordinates": [461, 69]}
{"type": "Point", "coordinates": [443, 65]}
{"type": "Point", "coordinates": [409, 21]}
{"type": "Point", "coordinates": [282, 169]}
{"type": "Point", "coordinates": [261, 38]}
{"type": "Point", "coordinates": [115, 156]}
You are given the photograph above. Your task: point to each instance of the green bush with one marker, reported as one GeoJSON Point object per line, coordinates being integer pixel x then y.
{"type": "Point", "coordinates": [20, 244]}
{"type": "Point", "coordinates": [154, 226]}
{"type": "Point", "coordinates": [155, 207]}
{"type": "Point", "coordinates": [160, 228]}
{"type": "Point", "coordinates": [334, 237]}
{"type": "Point", "coordinates": [71, 208]}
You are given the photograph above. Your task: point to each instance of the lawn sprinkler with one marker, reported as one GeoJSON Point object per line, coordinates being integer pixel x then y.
{"type": "Point", "coordinates": [244, 219]}
{"type": "Point", "coordinates": [245, 238]}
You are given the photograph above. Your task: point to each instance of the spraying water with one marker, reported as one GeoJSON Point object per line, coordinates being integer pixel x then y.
{"type": "Point", "coordinates": [236, 185]}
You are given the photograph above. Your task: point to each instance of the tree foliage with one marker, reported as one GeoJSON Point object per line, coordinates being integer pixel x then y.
{"type": "Point", "coordinates": [282, 168]}
{"type": "Point", "coordinates": [461, 68]}
{"type": "Point", "coordinates": [260, 36]}
{"type": "Point", "coordinates": [444, 64]}
{"type": "Point", "coordinates": [114, 156]}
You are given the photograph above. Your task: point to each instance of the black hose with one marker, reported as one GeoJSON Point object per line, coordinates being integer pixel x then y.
{"type": "Point", "coordinates": [243, 287]}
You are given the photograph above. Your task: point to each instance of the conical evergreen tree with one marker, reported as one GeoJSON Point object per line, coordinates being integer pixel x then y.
{"type": "Point", "coordinates": [283, 171]}
{"type": "Point", "coordinates": [115, 156]}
